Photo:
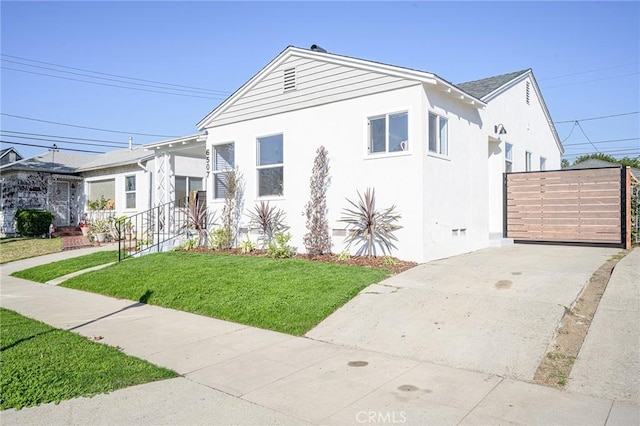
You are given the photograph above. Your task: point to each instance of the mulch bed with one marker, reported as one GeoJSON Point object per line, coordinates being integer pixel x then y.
{"type": "Point", "coordinates": [391, 264]}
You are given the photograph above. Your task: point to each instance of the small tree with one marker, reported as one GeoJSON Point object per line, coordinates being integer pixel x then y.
{"type": "Point", "coordinates": [318, 241]}
{"type": "Point", "coordinates": [232, 207]}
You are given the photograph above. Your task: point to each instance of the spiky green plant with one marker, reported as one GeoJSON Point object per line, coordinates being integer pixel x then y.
{"type": "Point", "coordinates": [268, 221]}
{"type": "Point", "coordinates": [368, 227]}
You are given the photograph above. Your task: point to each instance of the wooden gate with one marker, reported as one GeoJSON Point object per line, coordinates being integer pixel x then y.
{"type": "Point", "coordinates": [584, 206]}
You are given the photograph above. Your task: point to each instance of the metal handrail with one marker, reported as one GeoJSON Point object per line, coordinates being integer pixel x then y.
{"type": "Point", "coordinates": [149, 231]}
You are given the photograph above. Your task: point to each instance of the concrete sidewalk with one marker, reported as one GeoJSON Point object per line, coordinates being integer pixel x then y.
{"type": "Point", "coordinates": [608, 364]}
{"type": "Point", "coordinates": [234, 374]}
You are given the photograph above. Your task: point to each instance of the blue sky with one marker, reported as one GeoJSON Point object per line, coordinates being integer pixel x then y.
{"type": "Point", "coordinates": [585, 56]}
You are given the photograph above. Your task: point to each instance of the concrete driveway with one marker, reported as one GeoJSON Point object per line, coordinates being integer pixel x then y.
{"type": "Point", "coordinates": [495, 310]}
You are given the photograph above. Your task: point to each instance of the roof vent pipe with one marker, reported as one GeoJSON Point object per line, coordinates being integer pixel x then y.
{"type": "Point", "coordinates": [130, 143]}
{"type": "Point", "coordinates": [317, 48]}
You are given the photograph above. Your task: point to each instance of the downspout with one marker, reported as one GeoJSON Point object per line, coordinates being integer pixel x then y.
{"type": "Point", "coordinates": [150, 183]}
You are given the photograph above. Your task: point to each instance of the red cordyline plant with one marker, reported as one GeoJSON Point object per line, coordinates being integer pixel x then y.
{"type": "Point", "coordinates": [268, 221]}
{"type": "Point", "coordinates": [368, 227]}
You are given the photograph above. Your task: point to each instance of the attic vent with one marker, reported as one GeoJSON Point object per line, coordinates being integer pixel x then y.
{"type": "Point", "coordinates": [528, 93]}
{"type": "Point", "coordinates": [289, 79]}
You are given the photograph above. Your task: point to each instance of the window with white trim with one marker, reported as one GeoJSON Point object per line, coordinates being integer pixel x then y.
{"type": "Point", "coordinates": [130, 191]}
{"type": "Point", "coordinates": [223, 163]}
{"type": "Point", "coordinates": [543, 163]}
{"type": "Point", "coordinates": [270, 166]}
{"type": "Point", "coordinates": [527, 161]}
{"type": "Point", "coordinates": [388, 133]}
{"type": "Point", "coordinates": [508, 157]}
{"type": "Point", "coordinates": [438, 134]}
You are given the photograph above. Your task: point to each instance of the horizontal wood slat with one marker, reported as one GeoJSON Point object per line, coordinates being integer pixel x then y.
{"type": "Point", "coordinates": [565, 206]}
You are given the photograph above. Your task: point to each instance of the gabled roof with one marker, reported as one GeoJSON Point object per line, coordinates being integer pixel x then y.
{"type": "Point", "coordinates": [390, 70]}
{"type": "Point", "coordinates": [6, 151]}
{"type": "Point", "coordinates": [51, 162]}
{"type": "Point", "coordinates": [485, 86]}
{"type": "Point", "coordinates": [120, 157]}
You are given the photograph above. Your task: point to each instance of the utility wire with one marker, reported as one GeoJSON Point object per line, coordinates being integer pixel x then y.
{"type": "Point", "coordinates": [590, 81]}
{"type": "Point", "coordinates": [59, 141]}
{"type": "Point", "coordinates": [607, 141]}
{"type": "Point", "coordinates": [597, 118]}
{"type": "Point", "coordinates": [570, 133]}
{"type": "Point", "coordinates": [49, 147]}
{"type": "Point", "coordinates": [103, 78]}
{"type": "Point", "coordinates": [112, 85]}
{"type": "Point", "coordinates": [221, 92]}
{"type": "Point", "coordinates": [86, 127]}
{"type": "Point", "coordinates": [585, 135]}
{"type": "Point", "coordinates": [64, 137]}
{"type": "Point", "coordinates": [590, 71]}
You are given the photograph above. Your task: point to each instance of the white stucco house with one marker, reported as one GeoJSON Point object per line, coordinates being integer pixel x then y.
{"type": "Point", "coordinates": [435, 150]}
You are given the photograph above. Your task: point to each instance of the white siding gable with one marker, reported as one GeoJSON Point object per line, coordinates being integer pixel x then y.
{"type": "Point", "coordinates": [316, 83]}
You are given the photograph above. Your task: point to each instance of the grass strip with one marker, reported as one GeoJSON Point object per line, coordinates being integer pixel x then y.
{"type": "Point", "coordinates": [286, 295]}
{"type": "Point", "coordinates": [12, 249]}
{"type": "Point", "coordinates": [44, 273]}
{"type": "Point", "coordinates": [41, 364]}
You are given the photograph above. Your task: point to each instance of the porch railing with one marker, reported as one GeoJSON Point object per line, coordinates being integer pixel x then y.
{"type": "Point", "coordinates": [153, 230]}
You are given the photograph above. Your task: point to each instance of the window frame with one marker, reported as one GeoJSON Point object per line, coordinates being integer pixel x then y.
{"type": "Point", "coordinates": [260, 167]}
{"type": "Point", "coordinates": [508, 157]}
{"type": "Point", "coordinates": [438, 135]}
{"type": "Point", "coordinates": [215, 172]}
{"type": "Point", "coordinates": [127, 192]}
{"type": "Point", "coordinates": [188, 185]}
{"type": "Point", "coordinates": [387, 123]}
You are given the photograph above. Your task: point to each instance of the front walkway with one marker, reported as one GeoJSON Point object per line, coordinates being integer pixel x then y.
{"type": "Point", "coordinates": [238, 374]}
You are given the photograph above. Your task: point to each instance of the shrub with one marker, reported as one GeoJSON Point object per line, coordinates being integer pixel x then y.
{"type": "Point", "coordinates": [268, 221]}
{"type": "Point", "coordinates": [279, 248]}
{"type": "Point", "coordinates": [32, 223]}
{"type": "Point", "coordinates": [247, 246]}
{"type": "Point", "coordinates": [370, 227]}
{"type": "Point", "coordinates": [317, 241]}
{"type": "Point", "coordinates": [219, 239]}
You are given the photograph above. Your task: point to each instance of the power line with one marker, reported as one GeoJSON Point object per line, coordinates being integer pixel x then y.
{"type": "Point", "coordinates": [585, 135]}
{"type": "Point", "coordinates": [59, 141]}
{"type": "Point", "coordinates": [103, 78]}
{"type": "Point", "coordinates": [86, 127]}
{"type": "Point", "coordinates": [49, 146]}
{"type": "Point", "coordinates": [111, 85]}
{"type": "Point", "coordinates": [597, 118]}
{"type": "Point", "coordinates": [64, 137]}
{"type": "Point", "coordinates": [590, 81]}
{"type": "Point", "coordinates": [590, 71]}
{"type": "Point", "coordinates": [221, 92]}
{"type": "Point", "coordinates": [606, 141]}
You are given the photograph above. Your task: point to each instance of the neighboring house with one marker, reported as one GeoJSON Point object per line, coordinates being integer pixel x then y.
{"type": "Point", "coordinates": [595, 163]}
{"type": "Point", "coordinates": [9, 155]}
{"type": "Point", "coordinates": [132, 178]}
{"type": "Point", "coordinates": [48, 181]}
{"type": "Point", "coordinates": [435, 150]}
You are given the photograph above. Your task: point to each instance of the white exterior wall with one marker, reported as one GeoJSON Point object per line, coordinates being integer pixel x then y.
{"type": "Point", "coordinates": [143, 186]}
{"type": "Point", "coordinates": [399, 178]}
{"type": "Point", "coordinates": [527, 130]}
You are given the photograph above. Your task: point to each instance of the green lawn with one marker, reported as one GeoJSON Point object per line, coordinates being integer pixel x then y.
{"type": "Point", "coordinates": [287, 295]}
{"type": "Point", "coordinates": [12, 249]}
{"type": "Point", "coordinates": [44, 273]}
{"type": "Point", "coordinates": [40, 364]}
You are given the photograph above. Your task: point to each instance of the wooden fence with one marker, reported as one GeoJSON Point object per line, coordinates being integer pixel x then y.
{"type": "Point", "coordinates": [587, 206]}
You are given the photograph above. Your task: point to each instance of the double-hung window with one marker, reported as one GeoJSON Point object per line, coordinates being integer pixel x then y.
{"type": "Point", "coordinates": [223, 163]}
{"type": "Point", "coordinates": [438, 134]}
{"type": "Point", "coordinates": [270, 165]}
{"type": "Point", "coordinates": [508, 157]}
{"type": "Point", "coordinates": [527, 161]}
{"type": "Point", "coordinates": [389, 133]}
{"type": "Point", "coordinates": [130, 191]}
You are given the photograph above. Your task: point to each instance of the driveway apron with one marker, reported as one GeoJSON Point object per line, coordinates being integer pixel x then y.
{"type": "Point", "coordinates": [494, 311]}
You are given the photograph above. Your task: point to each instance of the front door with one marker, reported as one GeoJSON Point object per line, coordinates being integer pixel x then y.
{"type": "Point", "coordinates": [60, 203]}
